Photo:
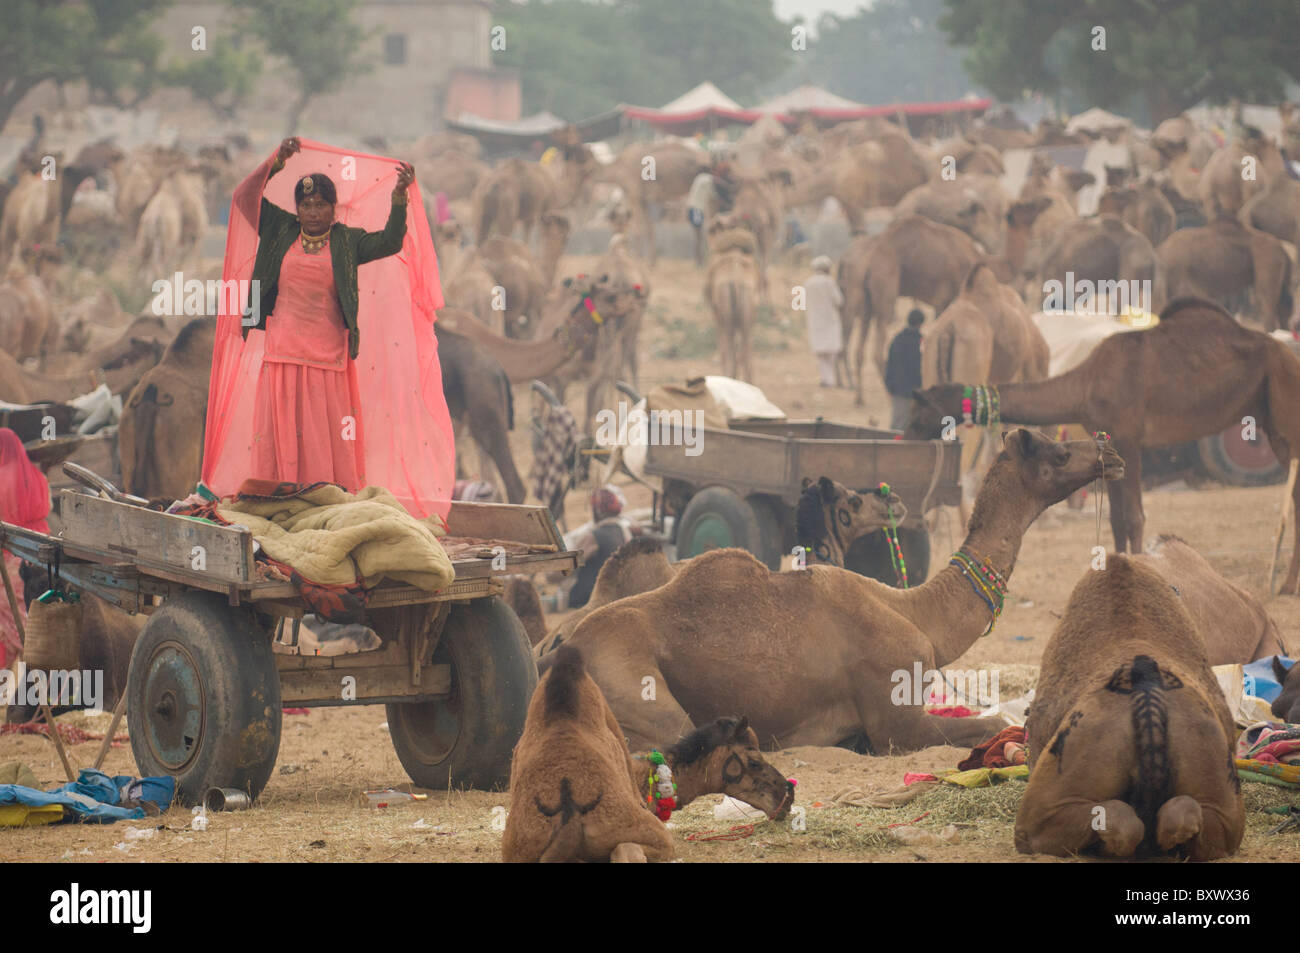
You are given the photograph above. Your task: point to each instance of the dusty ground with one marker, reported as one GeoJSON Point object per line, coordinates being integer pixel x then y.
{"type": "Point", "coordinates": [313, 809]}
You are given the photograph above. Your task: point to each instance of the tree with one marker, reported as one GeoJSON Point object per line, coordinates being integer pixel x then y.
{"type": "Point", "coordinates": [892, 52]}
{"type": "Point", "coordinates": [577, 58]}
{"type": "Point", "coordinates": [317, 37]}
{"type": "Point", "coordinates": [223, 76]}
{"type": "Point", "coordinates": [1174, 53]}
{"type": "Point", "coordinates": [104, 42]}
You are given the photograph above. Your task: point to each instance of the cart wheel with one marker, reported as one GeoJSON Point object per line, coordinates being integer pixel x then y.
{"type": "Point", "coordinates": [869, 556]}
{"type": "Point", "coordinates": [771, 535]}
{"type": "Point", "coordinates": [203, 698]}
{"type": "Point", "coordinates": [1228, 458]}
{"type": "Point", "coordinates": [466, 738]}
{"type": "Point", "coordinates": [716, 518]}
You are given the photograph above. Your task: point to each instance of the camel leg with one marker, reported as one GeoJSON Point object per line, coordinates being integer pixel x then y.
{"type": "Point", "coordinates": [909, 728]}
{"type": "Point", "coordinates": [1048, 825]}
{"type": "Point", "coordinates": [746, 349]}
{"type": "Point", "coordinates": [628, 853]}
{"type": "Point", "coordinates": [1134, 519]}
{"type": "Point", "coordinates": [640, 698]}
{"type": "Point", "coordinates": [1178, 821]}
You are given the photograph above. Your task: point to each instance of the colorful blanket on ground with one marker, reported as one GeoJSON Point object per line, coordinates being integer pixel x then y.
{"type": "Point", "coordinates": [1270, 741]}
{"type": "Point", "coordinates": [994, 753]}
{"type": "Point", "coordinates": [1269, 772]}
{"type": "Point", "coordinates": [95, 796]}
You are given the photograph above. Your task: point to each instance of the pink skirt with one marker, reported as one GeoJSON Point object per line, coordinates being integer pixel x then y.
{"type": "Point", "coordinates": [307, 426]}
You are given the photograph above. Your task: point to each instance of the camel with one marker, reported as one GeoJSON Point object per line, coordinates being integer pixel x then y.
{"type": "Point", "coordinates": [829, 518]}
{"type": "Point", "coordinates": [1227, 262]}
{"type": "Point", "coordinates": [645, 186]}
{"type": "Point", "coordinates": [28, 327]}
{"type": "Point", "coordinates": [521, 596]}
{"type": "Point", "coordinates": [913, 257]}
{"type": "Point", "coordinates": [872, 174]}
{"type": "Point", "coordinates": [1192, 375]}
{"type": "Point", "coordinates": [1224, 187]}
{"type": "Point", "coordinates": [757, 207]}
{"type": "Point", "coordinates": [119, 364]}
{"type": "Point", "coordinates": [813, 656]}
{"type": "Point", "coordinates": [977, 158]}
{"type": "Point", "coordinates": [1287, 704]}
{"type": "Point", "coordinates": [31, 215]}
{"type": "Point", "coordinates": [1233, 624]}
{"type": "Point", "coordinates": [554, 236]}
{"type": "Point", "coordinates": [1130, 738]}
{"type": "Point", "coordinates": [171, 227]}
{"type": "Point", "coordinates": [974, 203]}
{"type": "Point", "coordinates": [480, 399]}
{"type": "Point", "coordinates": [631, 282]}
{"type": "Point", "coordinates": [1107, 253]}
{"type": "Point", "coordinates": [105, 640]}
{"type": "Point", "coordinates": [1143, 206]}
{"type": "Point", "coordinates": [1275, 209]}
{"type": "Point", "coordinates": [731, 287]}
{"type": "Point", "coordinates": [161, 452]}
{"type": "Point", "coordinates": [572, 747]}
{"type": "Point", "coordinates": [519, 193]}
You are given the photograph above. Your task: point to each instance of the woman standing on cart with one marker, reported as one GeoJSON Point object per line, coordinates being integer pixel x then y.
{"type": "Point", "coordinates": [307, 417]}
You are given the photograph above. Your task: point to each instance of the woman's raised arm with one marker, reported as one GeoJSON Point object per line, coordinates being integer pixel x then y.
{"type": "Point", "coordinates": [381, 244]}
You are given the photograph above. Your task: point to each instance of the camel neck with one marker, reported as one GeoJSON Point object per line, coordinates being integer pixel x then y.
{"type": "Point", "coordinates": [947, 608]}
{"type": "Point", "coordinates": [1057, 400]}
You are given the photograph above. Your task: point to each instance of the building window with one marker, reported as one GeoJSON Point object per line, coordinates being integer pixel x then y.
{"type": "Point", "coordinates": [395, 49]}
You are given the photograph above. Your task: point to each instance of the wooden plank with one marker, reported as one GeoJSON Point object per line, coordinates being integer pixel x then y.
{"type": "Point", "coordinates": [148, 538]}
{"type": "Point", "coordinates": [372, 684]}
{"type": "Point", "coordinates": [522, 524]}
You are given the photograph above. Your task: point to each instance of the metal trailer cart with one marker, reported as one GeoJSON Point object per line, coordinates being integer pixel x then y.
{"type": "Point", "coordinates": [205, 689]}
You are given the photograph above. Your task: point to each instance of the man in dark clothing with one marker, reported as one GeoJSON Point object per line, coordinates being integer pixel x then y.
{"type": "Point", "coordinates": [607, 535]}
{"type": "Point", "coordinates": [903, 369]}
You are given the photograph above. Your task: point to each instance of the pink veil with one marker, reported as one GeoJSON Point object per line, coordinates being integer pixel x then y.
{"type": "Point", "coordinates": [407, 432]}
{"type": "Point", "coordinates": [24, 492]}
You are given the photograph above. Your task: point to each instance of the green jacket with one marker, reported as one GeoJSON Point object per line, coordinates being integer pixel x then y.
{"type": "Point", "coordinates": [277, 230]}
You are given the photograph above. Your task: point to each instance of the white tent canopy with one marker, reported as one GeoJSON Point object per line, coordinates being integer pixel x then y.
{"type": "Point", "coordinates": [703, 96]}
{"type": "Point", "coordinates": [806, 97]}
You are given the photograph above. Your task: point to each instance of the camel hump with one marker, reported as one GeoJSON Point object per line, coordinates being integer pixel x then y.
{"type": "Point", "coordinates": [564, 674]}
{"type": "Point", "coordinates": [980, 277]}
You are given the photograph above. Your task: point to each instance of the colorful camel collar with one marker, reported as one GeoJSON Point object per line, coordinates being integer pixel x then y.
{"type": "Point", "coordinates": [981, 405]}
{"type": "Point", "coordinates": [661, 796]}
{"type": "Point", "coordinates": [891, 534]}
{"type": "Point", "coordinates": [989, 584]}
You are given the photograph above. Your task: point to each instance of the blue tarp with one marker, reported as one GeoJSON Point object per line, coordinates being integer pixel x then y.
{"type": "Point", "coordinates": [94, 796]}
{"type": "Point", "coordinates": [1261, 680]}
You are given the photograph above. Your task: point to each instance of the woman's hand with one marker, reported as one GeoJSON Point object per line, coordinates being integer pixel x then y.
{"type": "Point", "coordinates": [287, 148]}
{"type": "Point", "coordinates": [405, 176]}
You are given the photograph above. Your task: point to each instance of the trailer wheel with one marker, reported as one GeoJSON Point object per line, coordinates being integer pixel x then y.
{"type": "Point", "coordinates": [869, 556]}
{"type": "Point", "coordinates": [466, 738]}
{"type": "Point", "coordinates": [203, 698]}
{"type": "Point", "coordinates": [1228, 458]}
{"type": "Point", "coordinates": [716, 518]}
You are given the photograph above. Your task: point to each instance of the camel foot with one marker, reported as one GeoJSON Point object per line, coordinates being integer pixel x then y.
{"type": "Point", "coordinates": [1178, 821]}
{"type": "Point", "coordinates": [1120, 829]}
{"type": "Point", "coordinates": [628, 854]}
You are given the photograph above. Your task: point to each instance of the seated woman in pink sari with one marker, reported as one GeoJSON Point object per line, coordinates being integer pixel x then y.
{"type": "Point", "coordinates": [25, 502]}
{"type": "Point", "coordinates": [307, 421]}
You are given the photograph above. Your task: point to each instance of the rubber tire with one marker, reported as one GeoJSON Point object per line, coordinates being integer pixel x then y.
{"type": "Point", "coordinates": [230, 660]}
{"type": "Point", "coordinates": [869, 556]}
{"type": "Point", "coordinates": [716, 514]}
{"type": "Point", "coordinates": [1216, 462]}
{"type": "Point", "coordinates": [493, 677]}
{"type": "Point", "coordinates": [771, 533]}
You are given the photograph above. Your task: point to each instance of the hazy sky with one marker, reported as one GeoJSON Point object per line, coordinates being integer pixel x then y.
{"type": "Point", "coordinates": [812, 9]}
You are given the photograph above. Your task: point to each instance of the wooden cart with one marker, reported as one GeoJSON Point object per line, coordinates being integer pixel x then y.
{"type": "Point", "coordinates": [205, 689]}
{"type": "Point", "coordinates": [742, 488]}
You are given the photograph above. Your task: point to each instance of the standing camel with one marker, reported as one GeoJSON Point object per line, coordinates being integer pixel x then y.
{"type": "Point", "coordinates": [815, 656]}
{"type": "Point", "coordinates": [1131, 741]}
{"type": "Point", "coordinates": [1194, 374]}
{"type": "Point", "coordinates": [1228, 263]}
{"type": "Point", "coordinates": [731, 286]}
{"type": "Point", "coordinates": [650, 174]}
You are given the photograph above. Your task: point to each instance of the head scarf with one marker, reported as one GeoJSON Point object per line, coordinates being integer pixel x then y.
{"type": "Point", "coordinates": [607, 500]}
{"type": "Point", "coordinates": [24, 492]}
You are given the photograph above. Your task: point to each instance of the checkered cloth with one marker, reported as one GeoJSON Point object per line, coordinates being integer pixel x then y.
{"type": "Point", "coordinates": [553, 461]}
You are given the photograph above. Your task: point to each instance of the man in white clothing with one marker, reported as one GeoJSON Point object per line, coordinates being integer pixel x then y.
{"type": "Point", "coordinates": [824, 300]}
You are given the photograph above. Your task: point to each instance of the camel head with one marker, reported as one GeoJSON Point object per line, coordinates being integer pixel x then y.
{"type": "Point", "coordinates": [1023, 214]}
{"type": "Point", "coordinates": [1287, 705]}
{"type": "Point", "coordinates": [723, 756]}
{"type": "Point", "coordinates": [829, 517]}
{"type": "Point", "coordinates": [1039, 468]}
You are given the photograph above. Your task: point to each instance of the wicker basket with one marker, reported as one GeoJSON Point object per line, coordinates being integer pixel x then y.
{"type": "Point", "coordinates": [53, 636]}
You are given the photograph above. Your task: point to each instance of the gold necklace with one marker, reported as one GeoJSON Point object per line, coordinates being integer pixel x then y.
{"type": "Point", "coordinates": [314, 243]}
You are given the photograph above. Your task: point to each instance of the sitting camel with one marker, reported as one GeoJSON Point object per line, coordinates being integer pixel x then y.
{"type": "Point", "coordinates": [571, 741]}
{"type": "Point", "coordinates": [1194, 374]}
{"type": "Point", "coordinates": [830, 517]}
{"type": "Point", "coordinates": [813, 655]}
{"type": "Point", "coordinates": [1233, 623]}
{"type": "Point", "coordinates": [1130, 738]}
{"type": "Point", "coordinates": [731, 286]}
{"type": "Point", "coordinates": [1287, 705]}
